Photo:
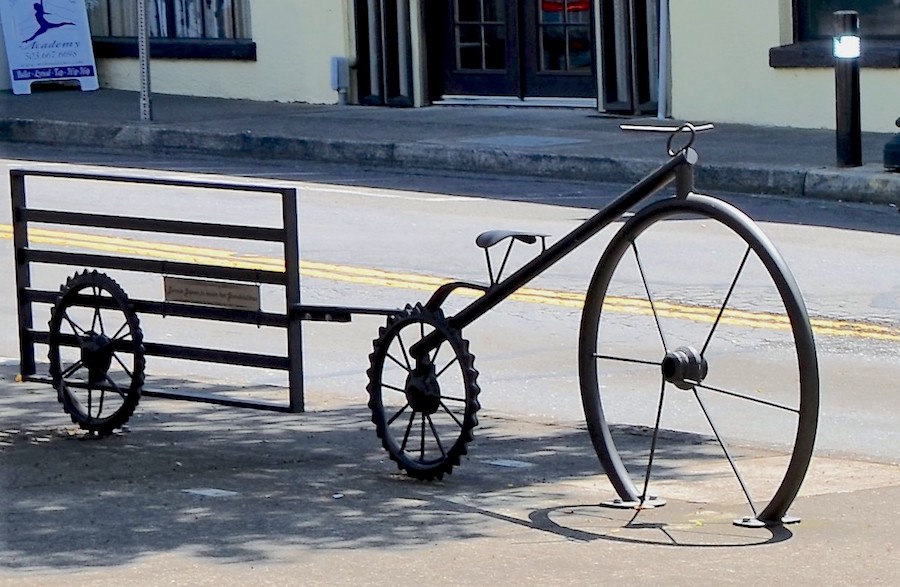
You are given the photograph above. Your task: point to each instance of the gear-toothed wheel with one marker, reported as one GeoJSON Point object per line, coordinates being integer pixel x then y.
{"type": "Point", "coordinates": [424, 408]}
{"type": "Point", "coordinates": [96, 352]}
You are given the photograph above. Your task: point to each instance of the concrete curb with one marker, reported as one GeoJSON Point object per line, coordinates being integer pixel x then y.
{"type": "Point", "coordinates": [869, 183]}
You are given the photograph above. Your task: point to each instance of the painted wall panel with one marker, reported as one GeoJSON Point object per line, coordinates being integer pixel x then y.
{"type": "Point", "coordinates": [720, 71]}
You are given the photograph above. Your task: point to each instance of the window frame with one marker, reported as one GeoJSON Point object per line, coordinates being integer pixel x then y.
{"type": "Point", "coordinates": [171, 47]}
{"type": "Point", "coordinates": [166, 48]}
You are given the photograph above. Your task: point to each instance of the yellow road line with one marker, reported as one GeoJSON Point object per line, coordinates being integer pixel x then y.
{"type": "Point", "coordinates": [378, 277]}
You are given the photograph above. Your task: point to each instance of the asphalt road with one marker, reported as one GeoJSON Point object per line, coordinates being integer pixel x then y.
{"type": "Point", "coordinates": [417, 224]}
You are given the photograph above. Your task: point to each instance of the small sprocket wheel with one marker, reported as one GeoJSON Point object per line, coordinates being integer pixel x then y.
{"type": "Point", "coordinates": [424, 408]}
{"type": "Point", "coordinates": [96, 352]}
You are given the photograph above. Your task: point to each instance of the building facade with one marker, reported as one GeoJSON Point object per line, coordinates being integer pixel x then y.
{"type": "Point", "coordinates": [765, 62]}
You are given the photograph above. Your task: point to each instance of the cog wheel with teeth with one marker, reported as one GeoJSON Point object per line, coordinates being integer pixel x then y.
{"type": "Point", "coordinates": [96, 352]}
{"type": "Point", "coordinates": [423, 407]}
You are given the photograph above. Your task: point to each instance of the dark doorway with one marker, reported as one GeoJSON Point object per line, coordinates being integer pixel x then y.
{"type": "Point", "coordinates": [630, 53]}
{"type": "Point", "coordinates": [518, 48]}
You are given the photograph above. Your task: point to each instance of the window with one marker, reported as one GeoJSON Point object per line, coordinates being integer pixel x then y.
{"type": "Point", "coordinates": [207, 29]}
{"type": "Point", "coordinates": [878, 19]}
{"type": "Point", "coordinates": [480, 27]}
{"type": "Point", "coordinates": [879, 24]}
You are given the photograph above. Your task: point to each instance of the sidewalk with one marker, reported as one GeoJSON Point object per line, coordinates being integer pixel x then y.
{"type": "Point", "coordinates": [559, 143]}
{"type": "Point", "coordinates": [203, 495]}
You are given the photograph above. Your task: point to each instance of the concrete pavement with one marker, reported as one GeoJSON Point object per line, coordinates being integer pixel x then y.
{"type": "Point", "coordinates": [203, 495]}
{"type": "Point", "coordinates": [545, 142]}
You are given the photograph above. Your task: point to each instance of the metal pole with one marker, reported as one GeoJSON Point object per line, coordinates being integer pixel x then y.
{"type": "Point", "coordinates": [662, 100]}
{"type": "Point", "coordinates": [404, 52]}
{"type": "Point", "coordinates": [376, 62]}
{"type": "Point", "coordinates": [846, 77]}
{"type": "Point", "coordinates": [144, 60]}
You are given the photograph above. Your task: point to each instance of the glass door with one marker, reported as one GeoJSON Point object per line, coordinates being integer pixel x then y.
{"type": "Point", "coordinates": [559, 49]}
{"type": "Point", "coordinates": [521, 48]}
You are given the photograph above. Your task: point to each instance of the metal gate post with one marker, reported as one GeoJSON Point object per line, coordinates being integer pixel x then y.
{"type": "Point", "coordinates": [292, 299]}
{"type": "Point", "coordinates": [23, 273]}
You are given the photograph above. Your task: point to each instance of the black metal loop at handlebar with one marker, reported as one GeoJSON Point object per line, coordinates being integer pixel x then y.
{"type": "Point", "coordinates": [686, 127]}
{"type": "Point", "coordinates": [673, 131]}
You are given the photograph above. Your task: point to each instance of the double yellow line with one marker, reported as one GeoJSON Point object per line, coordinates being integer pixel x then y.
{"type": "Point", "coordinates": [409, 281]}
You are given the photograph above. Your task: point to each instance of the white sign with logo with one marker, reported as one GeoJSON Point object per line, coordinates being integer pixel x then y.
{"type": "Point", "coordinates": [48, 40]}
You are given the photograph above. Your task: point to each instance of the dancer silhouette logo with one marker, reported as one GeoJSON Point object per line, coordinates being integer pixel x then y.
{"type": "Point", "coordinates": [48, 40]}
{"type": "Point", "coordinates": [44, 25]}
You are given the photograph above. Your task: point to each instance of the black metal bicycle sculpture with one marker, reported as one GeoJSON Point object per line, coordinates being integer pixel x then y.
{"type": "Point", "coordinates": [425, 426]}
{"type": "Point", "coordinates": [423, 389]}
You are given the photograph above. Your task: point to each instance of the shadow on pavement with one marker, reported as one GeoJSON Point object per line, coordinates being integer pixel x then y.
{"type": "Point", "coordinates": [238, 485]}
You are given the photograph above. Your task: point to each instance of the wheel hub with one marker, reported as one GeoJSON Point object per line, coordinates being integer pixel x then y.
{"type": "Point", "coordinates": [422, 389]}
{"type": "Point", "coordinates": [96, 354]}
{"type": "Point", "coordinates": [684, 367]}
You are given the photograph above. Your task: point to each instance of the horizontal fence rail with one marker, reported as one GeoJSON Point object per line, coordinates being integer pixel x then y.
{"type": "Point", "coordinates": [27, 255]}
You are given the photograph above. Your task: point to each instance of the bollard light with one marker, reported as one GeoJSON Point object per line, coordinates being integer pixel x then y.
{"type": "Point", "coordinates": [846, 47]}
{"type": "Point", "coordinates": [846, 79]}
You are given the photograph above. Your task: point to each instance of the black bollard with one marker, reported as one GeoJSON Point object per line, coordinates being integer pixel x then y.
{"type": "Point", "coordinates": [846, 77]}
{"type": "Point", "coordinates": [892, 152]}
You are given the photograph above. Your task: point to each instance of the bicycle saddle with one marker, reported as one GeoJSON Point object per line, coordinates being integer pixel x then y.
{"type": "Point", "coordinates": [488, 239]}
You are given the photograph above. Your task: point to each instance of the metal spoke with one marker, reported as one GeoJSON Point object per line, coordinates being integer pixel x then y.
{"type": "Point", "coordinates": [627, 360]}
{"type": "Point", "coordinates": [451, 414]}
{"type": "Point", "coordinates": [119, 331]}
{"type": "Point", "coordinates": [74, 367]}
{"type": "Point", "coordinates": [455, 399]}
{"type": "Point", "coordinates": [748, 398]}
{"type": "Point", "coordinates": [119, 361]}
{"type": "Point", "coordinates": [725, 450]}
{"type": "Point", "coordinates": [412, 418]}
{"type": "Point", "coordinates": [422, 440]}
{"type": "Point", "coordinates": [98, 319]}
{"type": "Point", "coordinates": [737, 275]}
{"type": "Point", "coordinates": [397, 415]}
{"type": "Point", "coordinates": [408, 366]}
{"type": "Point", "coordinates": [405, 367]}
{"type": "Point", "coordinates": [436, 437]}
{"type": "Point", "coordinates": [662, 396]}
{"type": "Point", "coordinates": [115, 387]}
{"type": "Point", "coordinates": [436, 351]}
{"type": "Point", "coordinates": [447, 366]}
{"type": "Point", "coordinates": [640, 265]}
{"type": "Point", "coordinates": [76, 329]}
{"type": "Point", "coordinates": [389, 386]}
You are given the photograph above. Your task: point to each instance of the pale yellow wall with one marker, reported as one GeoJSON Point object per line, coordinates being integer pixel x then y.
{"type": "Point", "coordinates": [720, 71]}
{"type": "Point", "coordinates": [295, 40]}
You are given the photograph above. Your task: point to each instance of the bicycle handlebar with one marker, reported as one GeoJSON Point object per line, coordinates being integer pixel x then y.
{"type": "Point", "coordinates": [687, 127]}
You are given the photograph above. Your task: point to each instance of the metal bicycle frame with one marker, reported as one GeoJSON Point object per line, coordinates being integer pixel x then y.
{"type": "Point", "coordinates": [679, 168]}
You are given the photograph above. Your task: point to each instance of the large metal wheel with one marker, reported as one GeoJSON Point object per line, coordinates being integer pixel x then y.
{"type": "Point", "coordinates": [424, 408]}
{"type": "Point", "coordinates": [695, 343]}
{"type": "Point", "coordinates": [96, 352]}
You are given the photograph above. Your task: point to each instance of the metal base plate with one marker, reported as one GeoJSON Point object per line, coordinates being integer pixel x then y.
{"type": "Point", "coordinates": [749, 522]}
{"type": "Point", "coordinates": [648, 504]}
